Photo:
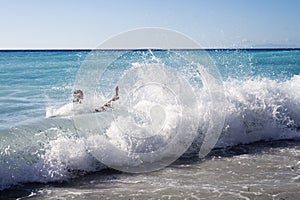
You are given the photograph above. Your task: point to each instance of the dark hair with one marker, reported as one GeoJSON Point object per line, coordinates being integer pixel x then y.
{"type": "Point", "coordinates": [78, 96]}
{"type": "Point", "coordinates": [78, 92]}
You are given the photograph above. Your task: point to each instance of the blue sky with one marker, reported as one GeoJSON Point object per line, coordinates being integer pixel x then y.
{"type": "Point", "coordinates": [87, 23]}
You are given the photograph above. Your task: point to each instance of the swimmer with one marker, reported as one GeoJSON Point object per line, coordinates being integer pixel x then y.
{"type": "Point", "coordinates": [78, 98]}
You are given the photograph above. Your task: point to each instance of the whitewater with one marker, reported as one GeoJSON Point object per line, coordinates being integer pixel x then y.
{"type": "Point", "coordinates": [261, 104]}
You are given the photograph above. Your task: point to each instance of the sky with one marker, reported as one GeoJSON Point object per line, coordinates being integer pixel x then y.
{"type": "Point", "coordinates": [85, 24]}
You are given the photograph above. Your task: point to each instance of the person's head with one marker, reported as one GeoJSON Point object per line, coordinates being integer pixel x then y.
{"type": "Point", "coordinates": [78, 95]}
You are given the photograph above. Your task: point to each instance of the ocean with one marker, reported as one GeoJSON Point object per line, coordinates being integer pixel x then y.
{"type": "Point", "coordinates": [49, 150]}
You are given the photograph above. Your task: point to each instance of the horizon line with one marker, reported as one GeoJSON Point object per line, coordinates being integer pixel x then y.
{"type": "Point", "coordinates": [119, 49]}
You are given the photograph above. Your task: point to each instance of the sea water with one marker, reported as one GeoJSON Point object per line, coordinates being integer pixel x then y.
{"type": "Point", "coordinates": [257, 154]}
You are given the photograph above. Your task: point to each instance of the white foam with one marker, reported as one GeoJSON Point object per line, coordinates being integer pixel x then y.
{"type": "Point", "coordinates": [261, 109]}
{"type": "Point", "coordinates": [256, 109]}
{"type": "Point", "coordinates": [70, 109]}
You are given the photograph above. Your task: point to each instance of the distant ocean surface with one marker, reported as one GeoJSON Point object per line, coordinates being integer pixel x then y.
{"type": "Point", "coordinates": [257, 155]}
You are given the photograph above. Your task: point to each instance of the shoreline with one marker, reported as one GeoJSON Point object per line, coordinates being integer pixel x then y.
{"type": "Point", "coordinates": [231, 167]}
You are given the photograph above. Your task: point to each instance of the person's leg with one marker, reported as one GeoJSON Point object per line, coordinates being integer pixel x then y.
{"type": "Point", "coordinates": [116, 97]}
{"type": "Point", "coordinates": [117, 91]}
{"type": "Point", "coordinates": [108, 103]}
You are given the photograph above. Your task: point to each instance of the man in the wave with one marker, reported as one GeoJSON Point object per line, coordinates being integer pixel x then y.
{"type": "Point", "coordinates": [78, 97]}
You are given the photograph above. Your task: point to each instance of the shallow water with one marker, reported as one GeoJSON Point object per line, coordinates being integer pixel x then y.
{"type": "Point", "coordinates": [264, 170]}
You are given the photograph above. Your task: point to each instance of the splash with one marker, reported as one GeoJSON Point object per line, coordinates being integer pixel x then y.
{"type": "Point", "coordinates": [256, 109]}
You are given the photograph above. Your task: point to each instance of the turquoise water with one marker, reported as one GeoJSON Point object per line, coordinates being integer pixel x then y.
{"type": "Point", "coordinates": [28, 78]}
{"type": "Point", "coordinates": [261, 87]}
{"type": "Point", "coordinates": [273, 64]}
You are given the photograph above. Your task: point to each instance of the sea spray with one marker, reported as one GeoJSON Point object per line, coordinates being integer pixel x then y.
{"type": "Point", "coordinates": [264, 107]}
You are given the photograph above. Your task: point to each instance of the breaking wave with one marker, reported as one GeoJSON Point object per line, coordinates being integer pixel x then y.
{"type": "Point", "coordinates": [52, 150]}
